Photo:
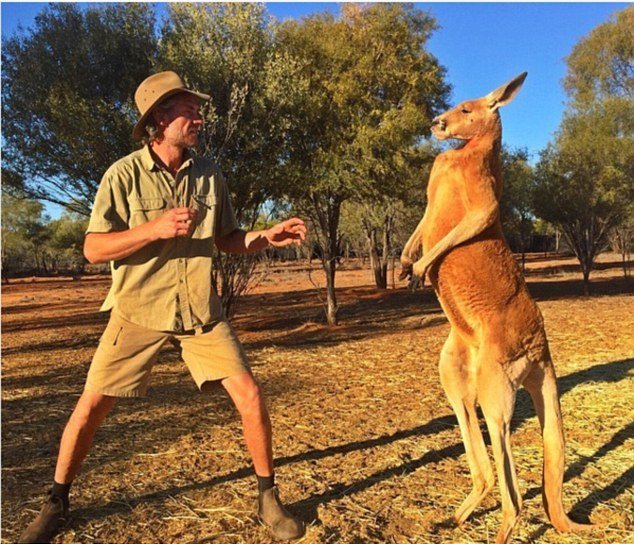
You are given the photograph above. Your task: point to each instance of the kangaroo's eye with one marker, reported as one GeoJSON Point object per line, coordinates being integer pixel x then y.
{"type": "Point", "coordinates": [465, 110]}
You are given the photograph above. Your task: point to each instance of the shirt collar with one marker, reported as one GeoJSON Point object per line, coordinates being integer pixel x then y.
{"type": "Point", "coordinates": [150, 164]}
{"type": "Point", "coordinates": [148, 161]}
{"type": "Point", "coordinates": [188, 158]}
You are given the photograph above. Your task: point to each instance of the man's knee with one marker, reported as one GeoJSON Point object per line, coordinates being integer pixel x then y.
{"type": "Point", "coordinates": [91, 409]}
{"type": "Point", "coordinates": [251, 401]}
{"type": "Point", "coordinates": [246, 394]}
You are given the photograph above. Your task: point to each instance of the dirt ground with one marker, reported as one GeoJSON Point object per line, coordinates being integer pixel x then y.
{"type": "Point", "coordinates": [367, 448]}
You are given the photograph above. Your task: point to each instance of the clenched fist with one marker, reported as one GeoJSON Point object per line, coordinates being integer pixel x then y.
{"type": "Point", "coordinates": [174, 222]}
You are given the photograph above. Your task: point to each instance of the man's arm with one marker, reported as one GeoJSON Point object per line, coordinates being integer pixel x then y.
{"type": "Point", "coordinates": [112, 246]}
{"type": "Point", "coordinates": [283, 234]}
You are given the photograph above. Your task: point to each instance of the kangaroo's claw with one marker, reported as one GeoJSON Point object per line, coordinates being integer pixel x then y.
{"type": "Point", "coordinates": [406, 273]}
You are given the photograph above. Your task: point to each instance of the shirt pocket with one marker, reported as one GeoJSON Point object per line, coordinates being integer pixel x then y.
{"type": "Point", "coordinates": [143, 210]}
{"type": "Point", "coordinates": [206, 209]}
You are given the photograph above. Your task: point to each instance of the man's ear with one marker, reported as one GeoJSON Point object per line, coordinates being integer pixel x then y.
{"type": "Point", "coordinates": [160, 119]}
{"type": "Point", "coordinates": [504, 94]}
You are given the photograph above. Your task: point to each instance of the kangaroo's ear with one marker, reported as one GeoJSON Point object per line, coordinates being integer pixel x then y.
{"type": "Point", "coordinates": [504, 94]}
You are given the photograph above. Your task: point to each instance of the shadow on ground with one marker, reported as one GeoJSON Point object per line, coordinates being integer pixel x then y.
{"type": "Point", "coordinates": [307, 508]}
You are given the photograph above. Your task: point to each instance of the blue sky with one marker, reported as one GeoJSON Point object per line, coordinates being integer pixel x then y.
{"type": "Point", "coordinates": [482, 45]}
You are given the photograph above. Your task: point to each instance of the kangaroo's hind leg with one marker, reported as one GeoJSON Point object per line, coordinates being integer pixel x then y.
{"type": "Point", "coordinates": [496, 396]}
{"type": "Point", "coordinates": [459, 385]}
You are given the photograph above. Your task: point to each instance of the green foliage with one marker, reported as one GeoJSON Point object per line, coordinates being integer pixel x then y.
{"type": "Point", "coordinates": [601, 65]}
{"type": "Point", "coordinates": [229, 51]}
{"type": "Point", "coordinates": [23, 232]}
{"type": "Point", "coordinates": [32, 243]}
{"type": "Point", "coordinates": [21, 218]}
{"type": "Point", "coordinates": [584, 179]}
{"type": "Point", "coordinates": [67, 97]}
{"type": "Point", "coordinates": [516, 206]}
{"type": "Point", "coordinates": [68, 233]}
{"type": "Point", "coordinates": [371, 91]}
{"type": "Point", "coordinates": [587, 173]}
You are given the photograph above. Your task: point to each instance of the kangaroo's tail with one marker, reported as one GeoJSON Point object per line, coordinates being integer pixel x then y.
{"type": "Point", "coordinates": [542, 386]}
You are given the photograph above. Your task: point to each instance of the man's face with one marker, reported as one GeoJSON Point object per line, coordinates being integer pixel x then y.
{"type": "Point", "coordinates": [182, 121]}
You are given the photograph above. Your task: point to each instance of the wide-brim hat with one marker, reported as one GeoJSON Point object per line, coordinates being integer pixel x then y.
{"type": "Point", "coordinates": [153, 90]}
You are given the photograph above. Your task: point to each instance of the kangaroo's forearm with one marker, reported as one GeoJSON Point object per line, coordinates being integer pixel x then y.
{"type": "Point", "coordinates": [414, 240]}
{"type": "Point", "coordinates": [473, 224]}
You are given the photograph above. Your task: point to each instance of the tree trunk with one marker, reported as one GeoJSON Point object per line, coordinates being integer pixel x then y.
{"type": "Point", "coordinates": [587, 261]}
{"type": "Point", "coordinates": [326, 213]}
{"type": "Point", "coordinates": [387, 228]}
{"type": "Point", "coordinates": [379, 269]}
{"type": "Point", "coordinates": [331, 296]}
{"type": "Point", "coordinates": [583, 243]}
{"type": "Point", "coordinates": [622, 240]}
{"type": "Point", "coordinates": [38, 267]}
{"type": "Point", "coordinates": [330, 251]}
{"type": "Point", "coordinates": [586, 281]}
{"type": "Point", "coordinates": [379, 262]}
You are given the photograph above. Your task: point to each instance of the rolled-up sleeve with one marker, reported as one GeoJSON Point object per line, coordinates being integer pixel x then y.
{"type": "Point", "coordinates": [110, 211]}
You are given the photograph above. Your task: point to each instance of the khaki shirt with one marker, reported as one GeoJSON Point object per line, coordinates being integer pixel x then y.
{"type": "Point", "coordinates": [165, 285]}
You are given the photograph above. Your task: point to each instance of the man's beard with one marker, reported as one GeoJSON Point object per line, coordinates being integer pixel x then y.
{"type": "Point", "coordinates": [185, 141]}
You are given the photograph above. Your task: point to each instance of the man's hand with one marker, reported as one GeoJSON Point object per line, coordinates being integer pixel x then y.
{"type": "Point", "coordinates": [291, 231]}
{"type": "Point", "coordinates": [101, 247]}
{"type": "Point", "coordinates": [174, 222]}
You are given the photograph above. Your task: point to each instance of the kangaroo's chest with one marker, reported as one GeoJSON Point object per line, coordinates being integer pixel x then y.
{"type": "Point", "coordinates": [456, 177]}
{"type": "Point", "coordinates": [445, 206]}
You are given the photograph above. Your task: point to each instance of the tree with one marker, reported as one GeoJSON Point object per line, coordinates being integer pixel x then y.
{"type": "Point", "coordinates": [402, 188]}
{"type": "Point", "coordinates": [67, 97]}
{"type": "Point", "coordinates": [379, 226]}
{"type": "Point", "coordinates": [622, 239]}
{"type": "Point", "coordinates": [516, 206]}
{"type": "Point", "coordinates": [584, 180]}
{"type": "Point", "coordinates": [601, 66]}
{"type": "Point", "coordinates": [24, 235]}
{"type": "Point", "coordinates": [372, 90]}
{"type": "Point", "coordinates": [229, 50]}
{"type": "Point", "coordinates": [67, 242]}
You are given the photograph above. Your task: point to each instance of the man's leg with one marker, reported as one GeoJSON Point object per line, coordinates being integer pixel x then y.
{"type": "Point", "coordinates": [92, 408]}
{"type": "Point", "coordinates": [87, 417]}
{"type": "Point", "coordinates": [247, 397]}
{"type": "Point", "coordinates": [120, 367]}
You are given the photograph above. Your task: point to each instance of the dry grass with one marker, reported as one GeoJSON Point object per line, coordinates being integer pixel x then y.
{"type": "Point", "coordinates": [366, 445]}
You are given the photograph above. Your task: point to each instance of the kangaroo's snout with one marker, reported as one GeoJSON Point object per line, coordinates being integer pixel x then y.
{"type": "Point", "coordinates": [438, 123]}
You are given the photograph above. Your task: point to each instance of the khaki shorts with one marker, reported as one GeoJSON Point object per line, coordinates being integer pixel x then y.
{"type": "Point", "coordinates": [122, 364]}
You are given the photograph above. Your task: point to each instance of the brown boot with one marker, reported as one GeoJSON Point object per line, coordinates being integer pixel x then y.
{"type": "Point", "coordinates": [44, 527]}
{"type": "Point", "coordinates": [272, 514]}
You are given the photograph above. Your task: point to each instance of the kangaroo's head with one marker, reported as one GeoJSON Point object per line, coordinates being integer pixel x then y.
{"type": "Point", "coordinates": [474, 118]}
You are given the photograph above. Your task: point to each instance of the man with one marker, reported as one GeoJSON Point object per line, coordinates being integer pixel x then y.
{"type": "Point", "coordinates": [156, 214]}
